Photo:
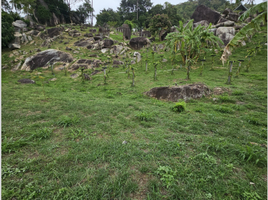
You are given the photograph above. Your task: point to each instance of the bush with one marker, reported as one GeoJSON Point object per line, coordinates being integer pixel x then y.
{"type": "Point", "coordinates": [43, 14]}
{"type": "Point", "coordinates": [7, 29]}
{"type": "Point", "coordinates": [179, 107]}
{"type": "Point", "coordinates": [144, 116]}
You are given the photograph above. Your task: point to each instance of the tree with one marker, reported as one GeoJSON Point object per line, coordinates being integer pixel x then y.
{"type": "Point", "coordinates": [172, 13]}
{"type": "Point", "coordinates": [7, 29]}
{"type": "Point", "coordinates": [133, 9]}
{"type": "Point", "coordinates": [159, 24]}
{"type": "Point", "coordinates": [84, 11]}
{"type": "Point", "coordinates": [190, 42]}
{"type": "Point", "coordinates": [250, 29]}
{"type": "Point", "coordinates": [107, 15]}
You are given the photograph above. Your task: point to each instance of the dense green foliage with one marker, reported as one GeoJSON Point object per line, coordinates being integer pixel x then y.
{"type": "Point", "coordinates": [159, 24]}
{"type": "Point", "coordinates": [42, 14]}
{"type": "Point", "coordinates": [7, 28]}
{"type": "Point", "coordinates": [106, 15]}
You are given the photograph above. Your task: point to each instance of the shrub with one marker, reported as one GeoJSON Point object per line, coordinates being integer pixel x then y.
{"type": "Point", "coordinates": [179, 107]}
{"type": "Point", "coordinates": [7, 29]}
{"type": "Point", "coordinates": [144, 116]}
{"type": "Point", "coordinates": [43, 14]}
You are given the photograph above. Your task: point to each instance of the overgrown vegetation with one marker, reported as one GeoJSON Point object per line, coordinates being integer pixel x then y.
{"type": "Point", "coordinates": [89, 140]}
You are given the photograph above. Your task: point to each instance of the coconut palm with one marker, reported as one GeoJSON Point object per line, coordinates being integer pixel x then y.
{"type": "Point", "coordinates": [248, 30]}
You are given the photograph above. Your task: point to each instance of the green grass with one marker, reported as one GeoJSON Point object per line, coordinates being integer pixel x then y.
{"type": "Point", "coordinates": [66, 142]}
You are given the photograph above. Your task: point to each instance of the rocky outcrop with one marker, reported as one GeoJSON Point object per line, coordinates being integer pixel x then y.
{"type": "Point", "coordinates": [108, 43]}
{"type": "Point", "coordinates": [204, 13]}
{"type": "Point", "coordinates": [44, 58]}
{"type": "Point", "coordinates": [20, 26]}
{"type": "Point", "coordinates": [185, 92]}
{"type": "Point", "coordinates": [204, 23]}
{"type": "Point", "coordinates": [226, 34]}
{"type": "Point", "coordinates": [83, 43]}
{"type": "Point", "coordinates": [52, 32]}
{"type": "Point", "coordinates": [139, 42]}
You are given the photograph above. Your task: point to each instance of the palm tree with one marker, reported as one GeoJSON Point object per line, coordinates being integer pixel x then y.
{"type": "Point", "coordinates": [248, 30]}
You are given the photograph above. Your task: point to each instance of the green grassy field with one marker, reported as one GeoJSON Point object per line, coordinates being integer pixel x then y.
{"type": "Point", "coordinates": [64, 139]}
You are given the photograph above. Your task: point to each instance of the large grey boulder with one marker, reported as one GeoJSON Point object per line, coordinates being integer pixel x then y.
{"type": "Point", "coordinates": [108, 43]}
{"type": "Point", "coordinates": [116, 49]}
{"type": "Point", "coordinates": [226, 34]}
{"type": "Point", "coordinates": [204, 23]}
{"type": "Point", "coordinates": [52, 32]}
{"type": "Point", "coordinates": [204, 13]}
{"type": "Point", "coordinates": [226, 24]}
{"type": "Point", "coordinates": [233, 17]}
{"type": "Point", "coordinates": [185, 92]}
{"type": "Point", "coordinates": [46, 57]}
{"type": "Point", "coordinates": [19, 25]}
{"type": "Point", "coordinates": [83, 43]}
{"type": "Point", "coordinates": [139, 42]}
{"type": "Point", "coordinates": [14, 46]}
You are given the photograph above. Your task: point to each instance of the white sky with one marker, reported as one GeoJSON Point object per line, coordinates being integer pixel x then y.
{"type": "Point", "coordinates": [99, 5]}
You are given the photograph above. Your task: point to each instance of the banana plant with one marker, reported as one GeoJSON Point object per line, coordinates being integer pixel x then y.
{"type": "Point", "coordinates": [248, 30]}
{"type": "Point", "coordinates": [155, 70]}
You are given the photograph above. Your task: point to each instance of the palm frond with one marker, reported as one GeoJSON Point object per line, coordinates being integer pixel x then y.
{"type": "Point", "coordinates": [246, 31]}
{"type": "Point", "coordinates": [253, 10]}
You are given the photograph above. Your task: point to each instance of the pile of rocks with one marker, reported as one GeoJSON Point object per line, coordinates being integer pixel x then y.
{"type": "Point", "coordinates": [225, 25]}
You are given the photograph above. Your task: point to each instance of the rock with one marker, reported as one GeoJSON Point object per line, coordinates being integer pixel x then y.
{"type": "Point", "coordinates": [68, 48]}
{"type": "Point", "coordinates": [15, 53]}
{"type": "Point", "coordinates": [19, 25]}
{"type": "Point", "coordinates": [40, 27]}
{"type": "Point", "coordinates": [204, 23]}
{"type": "Point", "coordinates": [14, 46]}
{"type": "Point", "coordinates": [213, 30]}
{"type": "Point", "coordinates": [139, 42]}
{"type": "Point", "coordinates": [215, 99]}
{"type": "Point", "coordinates": [222, 19]}
{"type": "Point", "coordinates": [118, 62]}
{"type": "Point", "coordinates": [98, 37]}
{"type": "Point", "coordinates": [11, 55]}
{"type": "Point", "coordinates": [92, 30]}
{"type": "Point", "coordinates": [124, 142]}
{"type": "Point", "coordinates": [43, 58]}
{"type": "Point", "coordinates": [233, 17]}
{"type": "Point", "coordinates": [104, 50]}
{"type": "Point", "coordinates": [228, 23]}
{"type": "Point", "coordinates": [226, 34]}
{"type": "Point", "coordinates": [38, 50]}
{"type": "Point", "coordinates": [116, 49]}
{"type": "Point", "coordinates": [93, 55]}
{"type": "Point", "coordinates": [24, 37]}
{"type": "Point", "coordinates": [76, 34]}
{"type": "Point", "coordinates": [108, 43]}
{"type": "Point", "coordinates": [52, 32]}
{"type": "Point", "coordinates": [75, 52]}
{"type": "Point", "coordinates": [174, 93]}
{"type": "Point", "coordinates": [16, 66]}
{"type": "Point", "coordinates": [83, 43]}
{"type": "Point", "coordinates": [30, 38]}
{"type": "Point", "coordinates": [26, 81]}
{"type": "Point", "coordinates": [126, 32]}
{"type": "Point", "coordinates": [138, 56]}
{"type": "Point", "coordinates": [164, 60]}
{"type": "Point", "coordinates": [204, 13]}
{"type": "Point", "coordinates": [227, 11]}
{"type": "Point", "coordinates": [74, 76]}
{"type": "Point", "coordinates": [88, 35]}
